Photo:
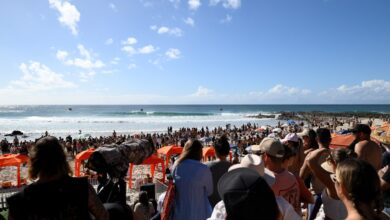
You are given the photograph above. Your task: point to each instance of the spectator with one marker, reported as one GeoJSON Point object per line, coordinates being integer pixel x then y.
{"type": "Point", "coordinates": [219, 166]}
{"type": "Point", "coordinates": [143, 209]}
{"type": "Point", "coordinates": [194, 183]}
{"type": "Point", "coordinates": [55, 195]}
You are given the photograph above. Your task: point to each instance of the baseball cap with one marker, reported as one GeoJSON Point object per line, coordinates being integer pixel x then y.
{"type": "Point", "coordinates": [304, 133]}
{"type": "Point", "coordinates": [255, 163]}
{"type": "Point", "coordinates": [291, 137]}
{"type": "Point", "coordinates": [270, 146]}
{"type": "Point", "coordinates": [361, 128]}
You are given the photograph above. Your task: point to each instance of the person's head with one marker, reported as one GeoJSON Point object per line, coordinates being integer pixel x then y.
{"type": "Point", "coordinates": [357, 181]}
{"type": "Point", "coordinates": [48, 159]}
{"type": "Point", "coordinates": [309, 138]}
{"type": "Point", "coordinates": [222, 147]}
{"type": "Point", "coordinates": [337, 156]}
{"type": "Point", "coordinates": [272, 151]}
{"type": "Point", "coordinates": [291, 140]}
{"type": "Point", "coordinates": [192, 150]}
{"type": "Point", "coordinates": [247, 195]}
{"type": "Point", "coordinates": [361, 132]}
{"type": "Point", "coordinates": [143, 198]}
{"type": "Point", "coordinates": [323, 137]}
{"type": "Point", "coordinates": [289, 154]}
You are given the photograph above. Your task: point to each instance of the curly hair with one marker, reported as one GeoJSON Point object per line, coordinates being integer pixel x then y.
{"type": "Point", "coordinates": [48, 159]}
{"type": "Point", "coordinates": [362, 184]}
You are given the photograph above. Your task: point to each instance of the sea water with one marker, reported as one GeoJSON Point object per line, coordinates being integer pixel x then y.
{"type": "Point", "coordinates": [63, 120]}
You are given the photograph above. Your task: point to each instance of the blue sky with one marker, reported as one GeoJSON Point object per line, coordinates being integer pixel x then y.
{"type": "Point", "coordinates": [195, 51]}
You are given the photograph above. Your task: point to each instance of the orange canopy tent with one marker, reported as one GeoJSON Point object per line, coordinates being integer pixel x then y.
{"type": "Point", "coordinates": [152, 161]}
{"type": "Point", "coordinates": [168, 151]}
{"type": "Point", "coordinates": [341, 140]}
{"type": "Point", "coordinates": [84, 155]}
{"type": "Point", "coordinates": [13, 160]}
{"type": "Point", "coordinates": [210, 152]}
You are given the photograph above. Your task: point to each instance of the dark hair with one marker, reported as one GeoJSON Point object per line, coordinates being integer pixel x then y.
{"type": "Point", "coordinates": [222, 146]}
{"type": "Point", "coordinates": [288, 153]}
{"type": "Point", "coordinates": [48, 159]}
{"type": "Point", "coordinates": [192, 150]}
{"type": "Point", "coordinates": [143, 198]}
{"type": "Point", "coordinates": [340, 154]}
{"type": "Point", "coordinates": [323, 135]}
{"type": "Point", "coordinates": [362, 184]}
{"type": "Point", "coordinates": [365, 129]}
{"type": "Point", "coordinates": [312, 137]}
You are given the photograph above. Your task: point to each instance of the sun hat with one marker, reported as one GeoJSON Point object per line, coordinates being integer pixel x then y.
{"type": "Point", "coordinates": [255, 163]}
{"type": "Point", "coordinates": [270, 146]}
{"type": "Point", "coordinates": [304, 133]}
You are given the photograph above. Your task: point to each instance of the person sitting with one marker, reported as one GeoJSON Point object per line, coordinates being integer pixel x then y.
{"type": "Point", "coordinates": [358, 186]}
{"type": "Point", "coordinates": [143, 208]}
{"type": "Point", "coordinates": [55, 195]}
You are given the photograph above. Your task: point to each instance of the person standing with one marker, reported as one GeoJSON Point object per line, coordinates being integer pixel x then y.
{"type": "Point", "coordinates": [193, 182]}
{"type": "Point", "coordinates": [219, 167]}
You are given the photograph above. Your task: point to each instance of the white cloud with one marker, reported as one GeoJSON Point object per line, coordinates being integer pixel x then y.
{"type": "Point", "coordinates": [109, 41]}
{"type": "Point", "coordinates": [189, 21]}
{"type": "Point", "coordinates": [177, 32]}
{"type": "Point", "coordinates": [130, 41]}
{"type": "Point", "coordinates": [87, 62]}
{"type": "Point", "coordinates": [147, 49]}
{"type": "Point", "coordinates": [369, 91]}
{"type": "Point", "coordinates": [129, 50]}
{"type": "Point", "coordinates": [194, 4]}
{"type": "Point", "coordinates": [202, 92]}
{"type": "Point", "coordinates": [289, 91]}
{"type": "Point", "coordinates": [69, 15]}
{"type": "Point", "coordinates": [231, 4]}
{"type": "Point", "coordinates": [115, 61]}
{"type": "Point", "coordinates": [113, 7]}
{"type": "Point", "coordinates": [173, 53]}
{"type": "Point", "coordinates": [38, 77]}
{"type": "Point", "coordinates": [132, 66]}
{"type": "Point", "coordinates": [227, 19]}
{"type": "Point", "coordinates": [61, 55]}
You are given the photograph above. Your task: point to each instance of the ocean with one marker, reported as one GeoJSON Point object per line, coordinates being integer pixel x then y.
{"type": "Point", "coordinates": [63, 120]}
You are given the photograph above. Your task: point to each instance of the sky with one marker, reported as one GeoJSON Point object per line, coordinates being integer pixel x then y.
{"type": "Point", "coordinates": [195, 52]}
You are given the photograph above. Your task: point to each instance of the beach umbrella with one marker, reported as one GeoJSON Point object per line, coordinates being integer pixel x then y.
{"type": "Point", "coordinates": [291, 122]}
{"type": "Point", "coordinates": [382, 133]}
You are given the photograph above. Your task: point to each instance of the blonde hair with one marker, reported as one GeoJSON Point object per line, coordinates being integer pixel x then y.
{"type": "Point", "coordinates": [48, 159]}
{"type": "Point", "coordinates": [361, 183]}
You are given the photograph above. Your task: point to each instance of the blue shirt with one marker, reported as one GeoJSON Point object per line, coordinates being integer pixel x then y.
{"type": "Point", "coordinates": [194, 184]}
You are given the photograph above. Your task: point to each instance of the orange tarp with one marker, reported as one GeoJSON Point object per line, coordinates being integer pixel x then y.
{"type": "Point", "coordinates": [13, 160]}
{"type": "Point", "coordinates": [341, 140]}
{"type": "Point", "coordinates": [168, 151]}
{"type": "Point", "coordinates": [152, 161]}
{"type": "Point", "coordinates": [84, 155]}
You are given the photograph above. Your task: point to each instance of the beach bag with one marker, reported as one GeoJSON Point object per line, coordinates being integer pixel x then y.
{"type": "Point", "coordinates": [167, 207]}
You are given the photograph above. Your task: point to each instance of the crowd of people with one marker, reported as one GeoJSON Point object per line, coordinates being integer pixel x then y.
{"type": "Point", "coordinates": [287, 174]}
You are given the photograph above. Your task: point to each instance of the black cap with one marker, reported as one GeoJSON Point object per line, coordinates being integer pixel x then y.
{"type": "Point", "coordinates": [246, 194]}
{"type": "Point", "coordinates": [362, 128]}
